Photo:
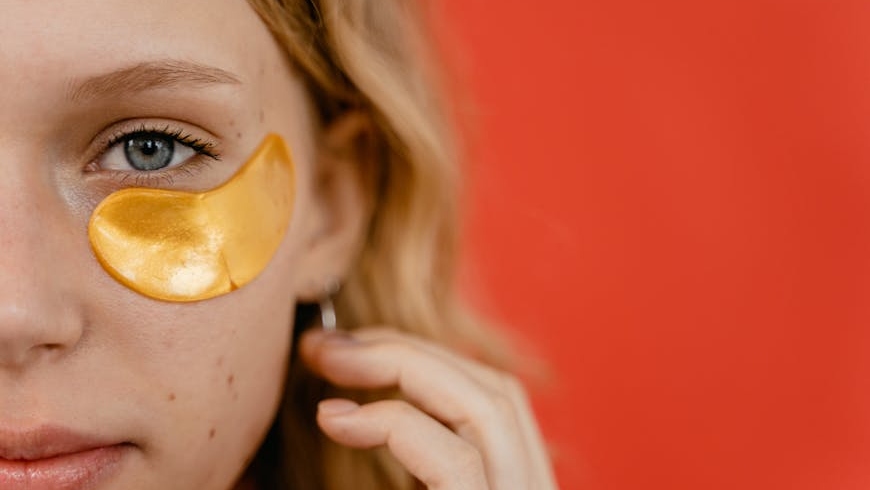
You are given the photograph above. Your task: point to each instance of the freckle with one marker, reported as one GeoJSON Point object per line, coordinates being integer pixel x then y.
{"type": "Point", "coordinates": [172, 397]}
{"type": "Point", "coordinates": [230, 379]}
{"type": "Point", "coordinates": [262, 115]}
{"type": "Point", "coordinates": [239, 135]}
{"type": "Point", "coordinates": [211, 433]}
{"type": "Point", "coordinates": [235, 396]}
{"type": "Point", "coordinates": [220, 361]}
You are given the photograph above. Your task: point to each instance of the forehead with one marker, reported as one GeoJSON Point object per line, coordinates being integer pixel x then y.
{"type": "Point", "coordinates": [49, 40]}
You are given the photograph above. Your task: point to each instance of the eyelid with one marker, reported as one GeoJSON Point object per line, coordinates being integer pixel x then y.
{"type": "Point", "coordinates": [201, 145]}
{"type": "Point", "coordinates": [204, 144]}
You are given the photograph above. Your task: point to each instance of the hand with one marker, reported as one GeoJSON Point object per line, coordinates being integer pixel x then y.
{"type": "Point", "coordinates": [464, 425]}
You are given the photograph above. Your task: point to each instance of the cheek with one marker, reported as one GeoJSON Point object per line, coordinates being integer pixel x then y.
{"type": "Point", "coordinates": [208, 377]}
{"type": "Point", "coordinates": [205, 378]}
{"type": "Point", "coordinates": [209, 374]}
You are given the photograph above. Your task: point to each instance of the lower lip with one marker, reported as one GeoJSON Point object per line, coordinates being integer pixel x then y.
{"type": "Point", "coordinates": [76, 471]}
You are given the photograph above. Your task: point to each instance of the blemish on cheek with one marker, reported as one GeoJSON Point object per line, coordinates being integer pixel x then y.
{"type": "Point", "coordinates": [262, 116]}
{"type": "Point", "coordinates": [231, 379]}
{"type": "Point", "coordinates": [220, 361]}
{"type": "Point", "coordinates": [211, 433]}
{"type": "Point", "coordinates": [239, 135]}
{"type": "Point", "coordinates": [171, 397]}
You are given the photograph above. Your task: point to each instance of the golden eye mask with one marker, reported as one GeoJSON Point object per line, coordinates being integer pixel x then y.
{"type": "Point", "coordinates": [185, 246]}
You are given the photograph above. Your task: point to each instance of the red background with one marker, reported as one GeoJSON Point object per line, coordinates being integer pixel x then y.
{"type": "Point", "coordinates": [670, 199]}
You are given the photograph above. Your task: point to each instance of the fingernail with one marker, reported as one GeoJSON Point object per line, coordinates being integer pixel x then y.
{"type": "Point", "coordinates": [336, 406]}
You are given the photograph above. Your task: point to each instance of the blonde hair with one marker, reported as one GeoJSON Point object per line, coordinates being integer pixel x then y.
{"type": "Point", "coordinates": [373, 56]}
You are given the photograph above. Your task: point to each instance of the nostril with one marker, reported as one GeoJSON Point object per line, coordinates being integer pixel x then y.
{"type": "Point", "coordinates": [29, 335]}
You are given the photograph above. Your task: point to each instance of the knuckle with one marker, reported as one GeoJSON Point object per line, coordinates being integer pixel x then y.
{"type": "Point", "coordinates": [467, 470]}
{"type": "Point", "coordinates": [492, 411]}
{"type": "Point", "coordinates": [513, 387]}
{"type": "Point", "coordinates": [502, 405]}
{"type": "Point", "coordinates": [401, 408]}
{"type": "Point", "coordinates": [467, 458]}
{"type": "Point", "coordinates": [503, 401]}
{"type": "Point", "coordinates": [508, 386]}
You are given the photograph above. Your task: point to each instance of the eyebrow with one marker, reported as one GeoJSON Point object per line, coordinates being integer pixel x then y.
{"type": "Point", "coordinates": [150, 75]}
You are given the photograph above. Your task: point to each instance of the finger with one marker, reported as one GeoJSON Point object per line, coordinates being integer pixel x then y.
{"type": "Point", "coordinates": [485, 375]}
{"type": "Point", "coordinates": [440, 388]}
{"type": "Point", "coordinates": [541, 464]}
{"type": "Point", "coordinates": [428, 450]}
{"type": "Point", "coordinates": [494, 380]}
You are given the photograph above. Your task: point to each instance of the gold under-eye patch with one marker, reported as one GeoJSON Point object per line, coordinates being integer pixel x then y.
{"type": "Point", "coordinates": [185, 246]}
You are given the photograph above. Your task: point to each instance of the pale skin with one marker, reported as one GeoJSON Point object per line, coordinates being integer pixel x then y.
{"type": "Point", "coordinates": [193, 387]}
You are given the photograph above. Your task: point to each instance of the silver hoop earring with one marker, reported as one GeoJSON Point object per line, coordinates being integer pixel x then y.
{"type": "Point", "coordinates": [327, 307]}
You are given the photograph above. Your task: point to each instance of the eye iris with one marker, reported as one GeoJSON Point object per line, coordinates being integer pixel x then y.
{"type": "Point", "coordinates": [149, 152]}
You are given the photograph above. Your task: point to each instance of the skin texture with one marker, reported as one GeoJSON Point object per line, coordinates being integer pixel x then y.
{"type": "Point", "coordinates": [193, 387]}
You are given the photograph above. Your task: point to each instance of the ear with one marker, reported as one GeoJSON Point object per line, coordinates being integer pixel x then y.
{"type": "Point", "coordinates": [345, 178]}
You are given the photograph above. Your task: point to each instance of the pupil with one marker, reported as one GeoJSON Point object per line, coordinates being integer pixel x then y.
{"type": "Point", "coordinates": [149, 148]}
{"type": "Point", "coordinates": [149, 151]}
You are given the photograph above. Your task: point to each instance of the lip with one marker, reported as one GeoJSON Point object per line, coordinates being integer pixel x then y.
{"type": "Point", "coordinates": [56, 458]}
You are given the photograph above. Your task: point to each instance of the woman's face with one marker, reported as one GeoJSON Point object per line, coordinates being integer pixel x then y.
{"type": "Point", "coordinates": [187, 389]}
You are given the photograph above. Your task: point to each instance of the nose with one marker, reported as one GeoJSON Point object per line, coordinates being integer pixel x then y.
{"type": "Point", "coordinates": [38, 318]}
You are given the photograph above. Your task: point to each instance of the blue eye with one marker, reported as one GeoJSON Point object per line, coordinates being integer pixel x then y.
{"type": "Point", "coordinates": [146, 152]}
{"type": "Point", "coordinates": [149, 151]}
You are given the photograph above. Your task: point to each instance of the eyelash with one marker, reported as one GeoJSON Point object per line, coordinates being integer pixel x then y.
{"type": "Point", "coordinates": [202, 147]}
